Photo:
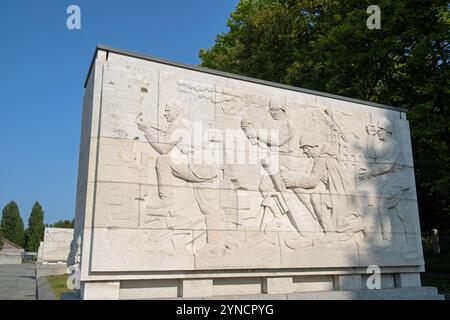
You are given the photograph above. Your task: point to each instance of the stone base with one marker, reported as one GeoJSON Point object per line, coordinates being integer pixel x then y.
{"type": "Point", "coordinates": [100, 290]}
{"type": "Point", "coordinates": [315, 287]}
{"type": "Point", "coordinates": [48, 269]}
{"type": "Point", "coordinates": [420, 293]}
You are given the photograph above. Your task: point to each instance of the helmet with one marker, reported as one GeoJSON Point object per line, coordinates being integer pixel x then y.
{"type": "Point", "coordinates": [176, 106]}
{"type": "Point", "coordinates": [308, 141]}
{"type": "Point", "coordinates": [386, 125]}
{"type": "Point", "coordinates": [277, 103]}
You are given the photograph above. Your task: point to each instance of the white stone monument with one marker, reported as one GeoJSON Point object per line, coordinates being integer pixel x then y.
{"type": "Point", "coordinates": [198, 183]}
{"type": "Point", "coordinates": [56, 245]}
{"type": "Point", "coordinates": [53, 252]}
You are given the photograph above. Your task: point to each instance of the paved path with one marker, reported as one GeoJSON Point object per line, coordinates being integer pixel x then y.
{"type": "Point", "coordinates": [17, 282]}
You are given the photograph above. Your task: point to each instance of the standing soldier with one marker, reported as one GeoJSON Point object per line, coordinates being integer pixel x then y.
{"type": "Point", "coordinates": [387, 173]}
{"type": "Point", "coordinates": [276, 135]}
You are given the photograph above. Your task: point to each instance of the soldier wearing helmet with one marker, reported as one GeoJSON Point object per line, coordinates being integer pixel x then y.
{"type": "Point", "coordinates": [329, 185]}
{"type": "Point", "coordinates": [309, 145]}
{"type": "Point", "coordinates": [277, 135]}
{"type": "Point", "coordinates": [176, 148]}
{"type": "Point", "coordinates": [384, 129]}
{"type": "Point", "coordinates": [386, 174]}
{"type": "Point", "coordinates": [276, 109]}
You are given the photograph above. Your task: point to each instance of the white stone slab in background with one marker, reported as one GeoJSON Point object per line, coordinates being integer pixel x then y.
{"type": "Point", "coordinates": [56, 245]}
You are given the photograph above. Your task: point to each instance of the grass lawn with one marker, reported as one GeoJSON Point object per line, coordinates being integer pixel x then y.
{"type": "Point", "coordinates": [59, 284]}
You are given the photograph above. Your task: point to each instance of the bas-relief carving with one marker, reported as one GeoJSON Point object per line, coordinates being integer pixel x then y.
{"type": "Point", "coordinates": [181, 165]}
{"type": "Point", "coordinates": [74, 257]}
{"type": "Point", "coordinates": [385, 171]}
{"type": "Point", "coordinates": [311, 192]}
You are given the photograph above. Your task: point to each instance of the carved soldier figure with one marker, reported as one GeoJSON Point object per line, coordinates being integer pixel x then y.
{"type": "Point", "coordinates": [328, 188]}
{"type": "Point", "coordinates": [276, 134]}
{"type": "Point", "coordinates": [387, 173]}
{"type": "Point", "coordinates": [178, 135]}
{"type": "Point", "coordinates": [176, 158]}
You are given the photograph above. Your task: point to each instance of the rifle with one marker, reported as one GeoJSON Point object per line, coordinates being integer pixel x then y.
{"type": "Point", "coordinates": [283, 203]}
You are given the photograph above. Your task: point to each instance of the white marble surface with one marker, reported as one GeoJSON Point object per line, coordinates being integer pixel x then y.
{"type": "Point", "coordinates": [328, 213]}
{"type": "Point", "coordinates": [56, 245]}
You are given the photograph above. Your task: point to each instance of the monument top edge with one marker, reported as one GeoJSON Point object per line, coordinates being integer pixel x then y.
{"type": "Point", "coordinates": [235, 76]}
{"type": "Point", "coordinates": [57, 228]}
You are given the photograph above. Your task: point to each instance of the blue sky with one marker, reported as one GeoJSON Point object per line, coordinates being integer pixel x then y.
{"type": "Point", "coordinates": [43, 67]}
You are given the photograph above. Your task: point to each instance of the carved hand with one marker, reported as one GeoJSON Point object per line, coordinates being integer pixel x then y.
{"type": "Point", "coordinates": [140, 122]}
{"type": "Point", "coordinates": [288, 181]}
{"type": "Point", "coordinates": [249, 129]}
{"type": "Point", "coordinates": [371, 130]}
{"type": "Point", "coordinates": [251, 133]}
{"type": "Point", "coordinates": [364, 174]}
{"type": "Point", "coordinates": [142, 127]}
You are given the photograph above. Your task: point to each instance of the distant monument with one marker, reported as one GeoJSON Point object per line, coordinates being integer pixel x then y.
{"type": "Point", "coordinates": [196, 183]}
{"type": "Point", "coordinates": [56, 245]}
{"type": "Point", "coordinates": [54, 251]}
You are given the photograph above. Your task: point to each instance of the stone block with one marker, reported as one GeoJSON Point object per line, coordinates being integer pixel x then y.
{"type": "Point", "coordinates": [407, 280]}
{"type": "Point", "coordinates": [100, 290]}
{"type": "Point", "coordinates": [348, 282]}
{"type": "Point", "coordinates": [149, 289]}
{"type": "Point", "coordinates": [278, 285]}
{"type": "Point", "coordinates": [237, 286]}
{"type": "Point", "coordinates": [196, 288]}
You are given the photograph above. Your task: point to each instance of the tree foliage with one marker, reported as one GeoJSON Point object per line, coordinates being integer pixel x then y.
{"type": "Point", "coordinates": [1, 240]}
{"type": "Point", "coordinates": [12, 223]}
{"type": "Point", "coordinates": [63, 224]}
{"type": "Point", "coordinates": [326, 46]}
{"type": "Point", "coordinates": [36, 227]}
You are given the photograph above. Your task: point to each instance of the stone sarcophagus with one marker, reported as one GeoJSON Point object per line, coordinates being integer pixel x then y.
{"type": "Point", "coordinates": [197, 183]}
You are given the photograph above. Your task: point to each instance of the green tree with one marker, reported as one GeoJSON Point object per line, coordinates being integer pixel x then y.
{"type": "Point", "coordinates": [36, 227]}
{"type": "Point", "coordinates": [1, 240]}
{"type": "Point", "coordinates": [326, 46]}
{"type": "Point", "coordinates": [12, 223]}
{"type": "Point", "coordinates": [25, 239]}
{"type": "Point", "coordinates": [63, 224]}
